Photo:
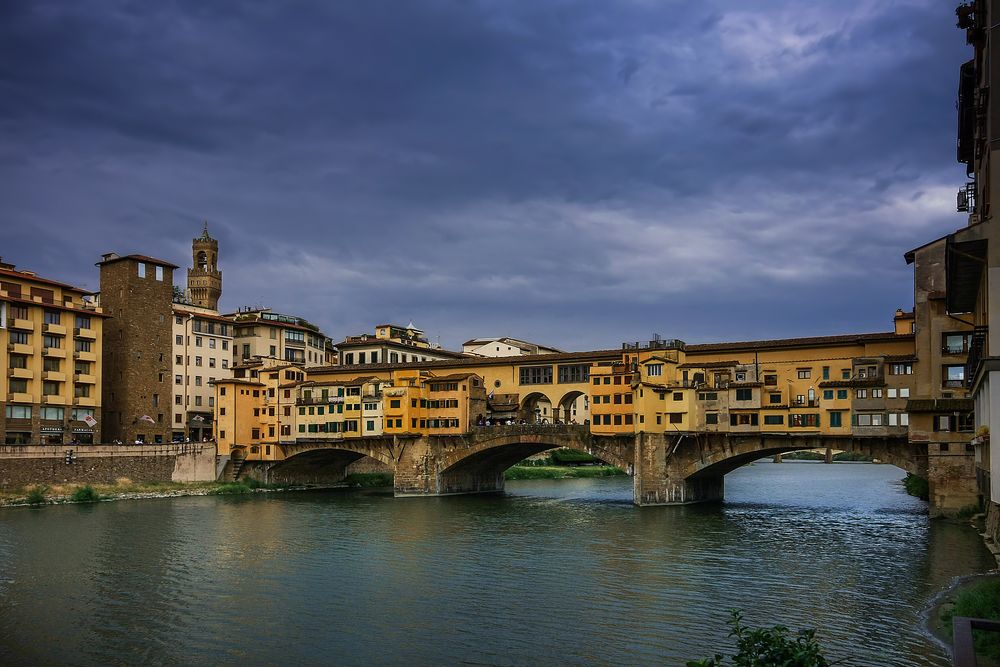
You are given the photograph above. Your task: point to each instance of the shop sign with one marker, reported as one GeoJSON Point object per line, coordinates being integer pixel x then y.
{"type": "Point", "coordinates": [51, 429]}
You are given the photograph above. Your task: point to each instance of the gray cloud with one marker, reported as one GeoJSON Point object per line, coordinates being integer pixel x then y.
{"type": "Point", "coordinates": [579, 173]}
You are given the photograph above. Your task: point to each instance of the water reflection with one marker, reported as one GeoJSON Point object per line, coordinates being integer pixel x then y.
{"type": "Point", "coordinates": [564, 572]}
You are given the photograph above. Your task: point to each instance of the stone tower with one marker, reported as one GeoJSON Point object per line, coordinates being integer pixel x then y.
{"type": "Point", "coordinates": [204, 278]}
{"type": "Point", "coordinates": [136, 291]}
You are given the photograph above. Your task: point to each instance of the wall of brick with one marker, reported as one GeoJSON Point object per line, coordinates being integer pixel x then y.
{"type": "Point", "coordinates": [104, 464]}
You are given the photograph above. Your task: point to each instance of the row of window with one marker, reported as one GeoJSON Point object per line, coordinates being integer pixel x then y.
{"type": "Point", "coordinates": [181, 379]}
{"type": "Point", "coordinates": [199, 361]}
{"type": "Point", "coordinates": [49, 388]}
{"type": "Point", "coordinates": [199, 342]}
{"type": "Point", "coordinates": [46, 412]}
{"type": "Point", "coordinates": [619, 399]}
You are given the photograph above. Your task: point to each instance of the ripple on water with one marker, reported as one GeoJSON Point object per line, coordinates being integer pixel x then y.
{"type": "Point", "coordinates": [554, 572]}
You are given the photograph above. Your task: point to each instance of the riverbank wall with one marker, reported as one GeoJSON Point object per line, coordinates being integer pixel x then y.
{"type": "Point", "coordinates": [23, 466]}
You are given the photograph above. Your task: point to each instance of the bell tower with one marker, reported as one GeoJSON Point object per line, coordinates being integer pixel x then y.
{"type": "Point", "coordinates": [204, 279]}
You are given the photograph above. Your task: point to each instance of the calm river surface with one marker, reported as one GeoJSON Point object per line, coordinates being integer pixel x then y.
{"type": "Point", "coordinates": [555, 572]}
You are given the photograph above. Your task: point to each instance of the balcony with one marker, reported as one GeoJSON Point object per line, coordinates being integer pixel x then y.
{"type": "Point", "coordinates": [85, 401]}
{"type": "Point", "coordinates": [23, 373]}
{"type": "Point", "coordinates": [84, 378]}
{"type": "Point", "coordinates": [88, 334]}
{"type": "Point", "coordinates": [21, 324]}
{"type": "Point", "coordinates": [20, 348]}
{"type": "Point", "coordinates": [20, 397]}
{"type": "Point", "coordinates": [81, 355]}
{"type": "Point", "coordinates": [54, 376]}
{"type": "Point", "coordinates": [977, 350]}
{"type": "Point", "coordinates": [804, 403]}
{"type": "Point", "coordinates": [54, 399]}
{"type": "Point", "coordinates": [55, 329]}
{"type": "Point", "coordinates": [55, 352]}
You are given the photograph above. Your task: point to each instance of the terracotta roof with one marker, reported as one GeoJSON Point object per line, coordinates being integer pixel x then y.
{"type": "Point", "coordinates": [56, 305]}
{"type": "Point", "coordinates": [138, 258]}
{"type": "Point", "coordinates": [709, 364]}
{"type": "Point", "coordinates": [21, 275]}
{"type": "Point", "coordinates": [449, 378]}
{"type": "Point", "coordinates": [236, 381]}
{"type": "Point", "coordinates": [847, 339]}
{"type": "Point", "coordinates": [179, 310]}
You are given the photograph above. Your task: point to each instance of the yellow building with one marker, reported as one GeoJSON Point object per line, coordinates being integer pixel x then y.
{"type": "Point", "coordinates": [260, 332]}
{"type": "Point", "coordinates": [50, 358]}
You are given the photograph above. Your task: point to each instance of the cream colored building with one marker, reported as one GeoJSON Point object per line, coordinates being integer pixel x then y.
{"type": "Point", "coordinates": [391, 344]}
{"type": "Point", "coordinates": [260, 332]}
{"type": "Point", "coordinates": [50, 361]}
{"type": "Point", "coordinates": [202, 354]}
{"type": "Point", "coordinates": [504, 347]}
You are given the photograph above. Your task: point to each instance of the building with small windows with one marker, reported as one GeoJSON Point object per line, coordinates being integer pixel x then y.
{"type": "Point", "coordinates": [51, 337]}
{"type": "Point", "coordinates": [260, 332]}
{"type": "Point", "coordinates": [202, 354]}
{"type": "Point", "coordinates": [256, 409]}
{"type": "Point", "coordinates": [137, 392]}
{"type": "Point", "coordinates": [391, 344]}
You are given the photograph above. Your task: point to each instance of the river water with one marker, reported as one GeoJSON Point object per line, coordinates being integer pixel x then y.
{"type": "Point", "coordinates": [554, 572]}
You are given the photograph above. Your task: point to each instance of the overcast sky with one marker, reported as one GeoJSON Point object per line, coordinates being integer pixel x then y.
{"type": "Point", "coordinates": [577, 174]}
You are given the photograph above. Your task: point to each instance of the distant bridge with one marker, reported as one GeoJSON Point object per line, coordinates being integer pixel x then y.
{"type": "Point", "coordinates": [667, 468]}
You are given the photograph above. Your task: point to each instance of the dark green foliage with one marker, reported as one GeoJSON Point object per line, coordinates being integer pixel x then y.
{"type": "Point", "coordinates": [564, 456]}
{"type": "Point", "coordinates": [768, 647]}
{"type": "Point", "coordinates": [85, 494]}
{"type": "Point", "coordinates": [36, 495]}
{"type": "Point", "coordinates": [917, 486]}
{"type": "Point", "coordinates": [560, 472]}
{"type": "Point", "coordinates": [370, 479]}
{"type": "Point", "coordinates": [981, 600]}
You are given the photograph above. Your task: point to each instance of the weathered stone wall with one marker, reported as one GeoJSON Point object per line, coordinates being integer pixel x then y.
{"type": "Point", "coordinates": [22, 466]}
{"type": "Point", "coordinates": [951, 479]}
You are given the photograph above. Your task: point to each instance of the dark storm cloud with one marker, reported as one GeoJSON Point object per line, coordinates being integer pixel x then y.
{"type": "Point", "coordinates": [573, 172]}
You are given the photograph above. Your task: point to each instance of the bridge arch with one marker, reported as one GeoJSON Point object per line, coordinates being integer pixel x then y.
{"type": "Point", "coordinates": [716, 461]}
{"type": "Point", "coordinates": [565, 407]}
{"type": "Point", "coordinates": [537, 406]}
{"type": "Point", "coordinates": [322, 462]}
{"type": "Point", "coordinates": [480, 466]}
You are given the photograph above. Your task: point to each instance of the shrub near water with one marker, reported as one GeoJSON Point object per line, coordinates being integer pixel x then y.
{"type": "Point", "coordinates": [917, 486]}
{"type": "Point", "coordinates": [85, 494]}
{"type": "Point", "coordinates": [979, 601]}
{"type": "Point", "coordinates": [36, 495]}
{"type": "Point", "coordinates": [768, 647]}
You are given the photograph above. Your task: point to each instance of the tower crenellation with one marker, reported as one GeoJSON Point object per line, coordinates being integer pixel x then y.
{"type": "Point", "coordinates": [204, 281]}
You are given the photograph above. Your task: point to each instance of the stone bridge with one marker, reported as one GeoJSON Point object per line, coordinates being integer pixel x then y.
{"type": "Point", "coordinates": [667, 468]}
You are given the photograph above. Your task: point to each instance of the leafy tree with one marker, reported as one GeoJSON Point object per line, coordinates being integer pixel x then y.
{"type": "Point", "coordinates": [768, 647]}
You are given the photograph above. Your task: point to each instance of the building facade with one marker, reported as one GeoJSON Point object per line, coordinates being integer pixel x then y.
{"type": "Point", "coordinates": [262, 333]}
{"type": "Point", "coordinates": [137, 293]}
{"type": "Point", "coordinates": [504, 347]}
{"type": "Point", "coordinates": [391, 344]}
{"type": "Point", "coordinates": [51, 338]}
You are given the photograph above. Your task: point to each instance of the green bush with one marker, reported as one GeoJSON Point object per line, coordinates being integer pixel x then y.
{"type": "Point", "coordinates": [917, 486]}
{"type": "Point", "coordinates": [370, 479]}
{"type": "Point", "coordinates": [806, 455]}
{"type": "Point", "coordinates": [981, 600]}
{"type": "Point", "coordinates": [36, 495]}
{"type": "Point", "coordinates": [852, 456]}
{"type": "Point", "coordinates": [969, 511]}
{"type": "Point", "coordinates": [86, 494]}
{"type": "Point", "coordinates": [564, 456]}
{"type": "Point", "coordinates": [768, 647]}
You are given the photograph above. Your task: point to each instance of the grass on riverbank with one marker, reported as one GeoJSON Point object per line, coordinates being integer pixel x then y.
{"type": "Point", "coordinates": [561, 472]}
{"type": "Point", "coordinates": [978, 600]}
{"type": "Point", "coordinates": [123, 488]}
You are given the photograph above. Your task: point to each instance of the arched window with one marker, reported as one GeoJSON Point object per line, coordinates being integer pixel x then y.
{"type": "Point", "coordinates": [202, 260]}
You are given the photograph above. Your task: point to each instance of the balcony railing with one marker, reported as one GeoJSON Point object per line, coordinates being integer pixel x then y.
{"type": "Point", "coordinates": [977, 350]}
{"type": "Point", "coordinates": [963, 647]}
